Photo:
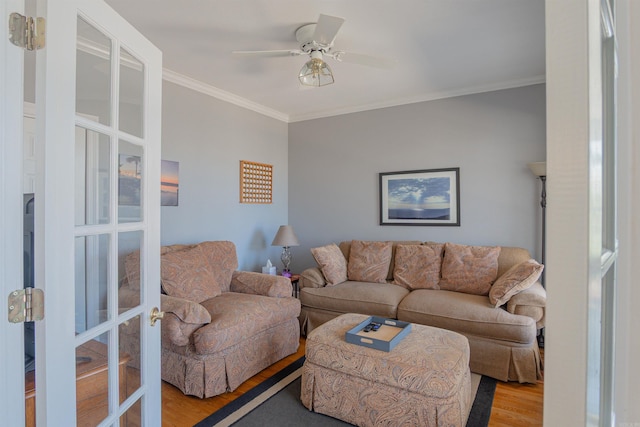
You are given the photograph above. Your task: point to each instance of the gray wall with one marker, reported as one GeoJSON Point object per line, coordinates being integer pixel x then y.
{"type": "Point", "coordinates": [209, 137]}
{"type": "Point", "coordinates": [334, 164]}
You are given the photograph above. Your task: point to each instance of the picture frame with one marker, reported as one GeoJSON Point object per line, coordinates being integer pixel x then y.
{"type": "Point", "coordinates": [420, 197]}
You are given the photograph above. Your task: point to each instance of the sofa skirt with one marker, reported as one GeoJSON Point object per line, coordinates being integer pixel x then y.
{"type": "Point", "coordinates": [502, 360]}
{"type": "Point", "coordinates": [505, 361]}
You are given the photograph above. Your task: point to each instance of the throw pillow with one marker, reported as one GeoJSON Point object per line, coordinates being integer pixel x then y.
{"type": "Point", "coordinates": [469, 269]}
{"type": "Point", "coordinates": [332, 263]}
{"type": "Point", "coordinates": [516, 279]}
{"type": "Point", "coordinates": [187, 274]}
{"type": "Point", "coordinates": [418, 266]}
{"type": "Point", "coordinates": [369, 261]}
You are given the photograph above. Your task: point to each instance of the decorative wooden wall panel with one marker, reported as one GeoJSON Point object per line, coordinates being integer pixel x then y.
{"type": "Point", "coordinates": [256, 182]}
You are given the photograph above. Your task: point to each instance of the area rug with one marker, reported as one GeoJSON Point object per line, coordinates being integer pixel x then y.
{"type": "Point", "coordinates": [276, 402]}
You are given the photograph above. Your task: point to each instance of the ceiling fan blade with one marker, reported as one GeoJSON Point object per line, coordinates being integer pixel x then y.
{"type": "Point", "coordinates": [362, 59]}
{"type": "Point", "coordinates": [268, 53]}
{"type": "Point", "coordinates": [326, 29]}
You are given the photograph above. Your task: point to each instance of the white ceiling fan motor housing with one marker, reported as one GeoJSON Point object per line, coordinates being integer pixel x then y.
{"type": "Point", "coordinates": [305, 33]}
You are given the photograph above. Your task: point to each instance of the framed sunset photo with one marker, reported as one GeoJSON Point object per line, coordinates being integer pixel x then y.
{"type": "Point", "coordinates": [169, 183]}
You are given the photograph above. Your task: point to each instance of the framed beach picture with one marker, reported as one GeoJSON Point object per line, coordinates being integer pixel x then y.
{"type": "Point", "coordinates": [420, 197]}
{"type": "Point", "coordinates": [169, 183]}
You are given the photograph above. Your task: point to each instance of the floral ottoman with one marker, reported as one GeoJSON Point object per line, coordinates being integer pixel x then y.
{"type": "Point", "coordinates": [424, 381]}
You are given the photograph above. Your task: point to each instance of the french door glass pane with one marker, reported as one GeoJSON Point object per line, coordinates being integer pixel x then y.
{"type": "Point", "coordinates": [91, 281]}
{"type": "Point", "coordinates": [92, 161]}
{"type": "Point", "coordinates": [133, 416]}
{"type": "Point", "coordinates": [131, 273]}
{"type": "Point", "coordinates": [129, 356]}
{"type": "Point", "coordinates": [92, 376]}
{"type": "Point", "coordinates": [93, 68]}
{"type": "Point", "coordinates": [609, 88]}
{"type": "Point", "coordinates": [129, 270]}
{"type": "Point", "coordinates": [130, 163]}
{"type": "Point", "coordinates": [131, 94]}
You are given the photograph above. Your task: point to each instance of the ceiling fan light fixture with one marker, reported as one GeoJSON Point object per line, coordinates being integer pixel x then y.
{"type": "Point", "coordinates": [316, 72]}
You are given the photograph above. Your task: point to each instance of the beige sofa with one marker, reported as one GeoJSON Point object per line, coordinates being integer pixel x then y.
{"type": "Point", "coordinates": [502, 333]}
{"type": "Point", "coordinates": [221, 326]}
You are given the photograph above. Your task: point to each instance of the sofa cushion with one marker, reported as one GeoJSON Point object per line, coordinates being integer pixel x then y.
{"type": "Point", "coordinates": [418, 266]}
{"type": "Point", "coordinates": [369, 261]}
{"type": "Point", "coordinates": [238, 317]}
{"type": "Point", "coordinates": [379, 299]}
{"type": "Point", "coordinates": [332, 263]}
{"type": "Point", "coordinates": [187, 274]}
{"type": "Point", "coordinates": [469, 269]}
{"type": "Point", "coordinates": [222, 259]}
{"type": "Point", "coordinates": [467, 314]}
{"type": "Point", "coordinates": [516, 279]}
{"type": "Point", "coordinates": [345, 248]}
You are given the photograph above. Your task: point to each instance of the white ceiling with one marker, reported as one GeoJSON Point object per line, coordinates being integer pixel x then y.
{"type": "Point", "coordinates": [441, 47]}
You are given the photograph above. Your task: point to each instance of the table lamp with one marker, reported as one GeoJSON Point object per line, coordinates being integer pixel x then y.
{"type": "Point", "coordinates": [286, 238]}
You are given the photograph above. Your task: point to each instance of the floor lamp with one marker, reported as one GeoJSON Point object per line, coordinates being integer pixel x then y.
{"type": "Point", "coordinates": [539, 169]}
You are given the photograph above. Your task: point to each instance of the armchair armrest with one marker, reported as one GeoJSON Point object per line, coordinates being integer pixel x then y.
{"type": "Point", "coordinates": [312, 278]}
{"type": "Point", "coordinates": [182, 317]}
{"type": "Point", "coordinates": [249, 282]}
{"type": "Point", "coordinates": [530, 302]}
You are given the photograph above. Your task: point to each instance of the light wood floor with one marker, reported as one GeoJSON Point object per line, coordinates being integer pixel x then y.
{"type": "Point", "coordinates": [514, 404]}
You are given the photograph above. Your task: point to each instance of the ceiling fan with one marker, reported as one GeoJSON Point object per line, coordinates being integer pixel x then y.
{"type": "Point", "coordinates": [316, 41]}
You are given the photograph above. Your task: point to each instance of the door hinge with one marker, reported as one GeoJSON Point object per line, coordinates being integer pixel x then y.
{"type": "Point", "coordinates": [26, 305]}
{"type": "Point", "coordinates": [27, 32]}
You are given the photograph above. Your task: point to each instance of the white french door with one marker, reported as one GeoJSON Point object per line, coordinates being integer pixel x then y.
{"type": "Point", "coordinates": [98, 112]}
{"type": "Point", "coordinates": [582, 235]}
{"type": "Point", "coordinates": [11, 335]}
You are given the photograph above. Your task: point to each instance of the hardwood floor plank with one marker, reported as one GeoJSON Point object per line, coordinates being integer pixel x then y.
{"type": "Point", "coordinates": [514, 404]}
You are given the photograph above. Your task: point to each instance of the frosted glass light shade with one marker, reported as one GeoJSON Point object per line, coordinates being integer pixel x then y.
{"type": "Point", "coordinates": [315, 72]}
{"type": "Point", "coordinates": [538, 168]}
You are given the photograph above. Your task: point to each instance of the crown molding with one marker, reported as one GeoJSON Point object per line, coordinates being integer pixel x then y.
{"type": "Point", "coordinates": [421, 98]}
{"type": "Point", "coordinates": [206, 89]}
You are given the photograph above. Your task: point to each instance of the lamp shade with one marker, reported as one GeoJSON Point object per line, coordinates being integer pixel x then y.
{"type": "Point", "coordinates": [285, 237]}
{"type": "Point", "coordinates": [315, 72]}
{"type": "Point", "coordinates": [538, 168]}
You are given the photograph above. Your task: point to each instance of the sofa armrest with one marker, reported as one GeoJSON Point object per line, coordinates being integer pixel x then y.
{"type": "Point", "coordinates": [182, 317]}
{"type": "Point", "coordinates": [249, 282]}
{"type": "Point", "coordinates": [530, 302]}
{"type": "Point", "coordinates": [312, 278]}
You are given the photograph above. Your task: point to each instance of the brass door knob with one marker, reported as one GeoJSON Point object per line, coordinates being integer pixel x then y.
{"type": "Point", "coordinates": [156, 315]}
